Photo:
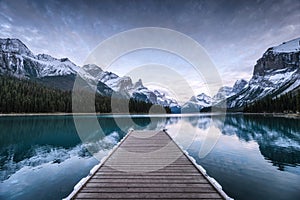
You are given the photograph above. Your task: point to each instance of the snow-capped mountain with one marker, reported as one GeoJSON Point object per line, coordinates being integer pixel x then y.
{"type": "Point", "coordinates": [287, 47]}
{"type": "Point", "coordinates": [196, 103]}
{"type": "Point", "coordinates": [223, 93]}
{"type": "Point", "coordinates": [202, 100]}
{"type": "Point", "coordinates": [126, 87]}
{"type": "Point", "coordinates": [164, 100]}
{"type": "Point", "coordinates": [18, 61]}
{"type": "Point", "coordinates": [276, 73]}
{"type": "Point", "coordinates": [122, 85]}
{"type": "Point", "coordinates": [14, 46]}
{"type": "Point", "coordinates": [238, 86]}
{"type": "Point", "coordinates": [50, 66]}
{"type": "Point", "coordinates": [226, 91]}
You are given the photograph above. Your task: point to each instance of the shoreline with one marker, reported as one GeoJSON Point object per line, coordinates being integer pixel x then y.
{"type": "Point", "coordinates": [102, 114]}
{"type": "Point", "coordinates": [47, 114]}
{"type": "Point", "coordinates": [285, 115]}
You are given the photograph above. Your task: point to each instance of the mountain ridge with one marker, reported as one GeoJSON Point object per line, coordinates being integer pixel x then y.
{"type": "Point", "coordinates": [276, 73]}
{"type": "Point", "coordinates": [18, 61]}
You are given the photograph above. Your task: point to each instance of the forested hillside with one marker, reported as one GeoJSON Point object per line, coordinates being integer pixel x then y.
{"type": "Point", "coordinates": [289, 102]}
{"type": "Point", "coordinates": [25, 96]}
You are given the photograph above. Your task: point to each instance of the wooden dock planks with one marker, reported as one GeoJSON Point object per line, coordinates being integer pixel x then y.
{"type": "Point", "coordinates": [147, 165]}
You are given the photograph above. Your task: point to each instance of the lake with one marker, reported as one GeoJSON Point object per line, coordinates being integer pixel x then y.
{"type": "Point", "coordinates": [251, 156]}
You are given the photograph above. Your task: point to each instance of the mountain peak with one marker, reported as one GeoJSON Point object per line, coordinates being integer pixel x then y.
{"type": "Point", "coordinates": [282, 57]}
{"type": "Point", "coordinates": [139, 84]}
{"type": "Point", "coordinates": [45, 57]}
{"type": "Point", "coordinates": [223, 93]}
{"type": "Point", "coordinates": [196, 103]}
{"type": "Point", "coordinates": [18, 61]}
{"type": "Point", "coordinates": [287, 47]}
{"type": "Point", "coordinates": [92, 69]}
{"type": "Point", "coordinates": [239, 85]}
{"type": "Point", "coordinates": [65, 60]}
{"type": "Point", "coordinates": [12, 45]}
{"type": "Point", "coordinates": [202, 98]}
{"type": "Point", "coordinates": [202, 95]}
{"type": "Point", "coordinates": [275, 73]}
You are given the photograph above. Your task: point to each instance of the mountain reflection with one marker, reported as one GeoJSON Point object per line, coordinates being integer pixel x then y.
{"type": "Point", "coordinates": [38, 139]}
{"type": "Point", "coordinates": [34, 140]}
{"type": "Point", "coordinates": [278, 138]}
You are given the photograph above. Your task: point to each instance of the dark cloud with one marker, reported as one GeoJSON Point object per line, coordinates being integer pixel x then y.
{"type": "Point", "coordinates": [235, 33]}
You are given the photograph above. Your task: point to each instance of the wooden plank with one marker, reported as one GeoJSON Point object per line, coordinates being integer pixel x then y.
{"type": "Point", "coordinates": [104, 195]}
{"type": "Point", "coordinates": [130, 176]}
{"type": "Point", "coordinates": [150, 180]}
{"type": "Point", "coordinates": [162, 176]}
{"type": "Point", "coordinates": [141, 180]}
{"type": "Point", "coordinates": [146, 185]}
{"type": "Point", "coordinates": [156, 198]}
{"type": "Point", "coordinates": [147, 189]}
{"type": "Point", "coordinates": [154, 162]}
{"type": "Point", "coordinates": [145, 174]}
{"type": "Point", "coordinates": [160, 170]}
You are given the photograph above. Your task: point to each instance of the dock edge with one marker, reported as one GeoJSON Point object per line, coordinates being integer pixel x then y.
{"type": "Point", "coordinates": [84, 180]}
{"type": "Point", "coordinates": [213, 181]}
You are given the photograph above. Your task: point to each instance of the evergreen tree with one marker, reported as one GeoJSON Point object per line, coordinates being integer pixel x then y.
{"type": "Point", "coordinates": [298, 102]}
{"type": "Point", "coordinates": [25, 96]}
{"type": "Point", "coordinates": [289, 102]}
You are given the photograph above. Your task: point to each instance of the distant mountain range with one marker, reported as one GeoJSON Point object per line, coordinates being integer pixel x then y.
{"type": "Point", "coordinates": [18, 61]}
{"type": "Point", "coordinates": [197, 103]}
{"type": "Point", "coordinates": [276, 73]}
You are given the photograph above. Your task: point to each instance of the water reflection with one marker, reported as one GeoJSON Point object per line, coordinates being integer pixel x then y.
{"type": "Point", "coordinates": [278, 138]}
{"type": "Point", "coordinates": [257, 157]}
{"type": "Point", "coordinates": [35, 140]}
{"type": "Point", "coordinates": [247, 145]}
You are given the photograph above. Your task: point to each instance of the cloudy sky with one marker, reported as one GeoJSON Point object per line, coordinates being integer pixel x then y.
{"type": "Point", "coordinates": [234, 33]}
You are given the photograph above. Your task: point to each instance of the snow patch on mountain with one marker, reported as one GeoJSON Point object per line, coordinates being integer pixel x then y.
{"type": "Point", "coordinates": [226, 91]}
{"type": "Point", "coordinates": [223, 93]}
{"type": "Point", "coordinates": [238, 86]}
{"type": "Point", "coordinates": [17, 60]}
{"type": "Point", "coordinates": [14, 46]}
{"type": "Point", "coordinates": [275, 74]}
{"type": "Point", "coordinates": [50, 66]}
{"type": "Point", "coordinates": [165, 100]}
{"type": "Point", "coordinates": [288, 47]}
{"type": "Point", "coordinates": [196, 103]}
{"type": "Point", "coordinates": [126, 87]}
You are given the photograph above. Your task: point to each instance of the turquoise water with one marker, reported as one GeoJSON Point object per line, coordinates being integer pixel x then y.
{"type": "Point", "coordinates": [251, 156]}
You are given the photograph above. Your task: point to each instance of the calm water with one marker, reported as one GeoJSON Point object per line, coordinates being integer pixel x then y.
{"type": "Point", "coordinates": [255, 157]}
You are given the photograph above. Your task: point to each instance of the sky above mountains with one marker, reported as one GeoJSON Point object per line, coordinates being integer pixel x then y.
{"type": "Point", "coordinates": [234, 33]}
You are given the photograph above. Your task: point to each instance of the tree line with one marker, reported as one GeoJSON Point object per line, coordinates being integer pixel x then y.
{"type": "Point", "coordinates": [26, 96]}
{"type": "Point", "coordinates": [289, 102]}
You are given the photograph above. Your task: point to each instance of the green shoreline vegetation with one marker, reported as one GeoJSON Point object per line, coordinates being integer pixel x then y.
{"type": "Point", "coordinates": [25, 96]}
{"type": "Point", "coordinates": [287, 104]}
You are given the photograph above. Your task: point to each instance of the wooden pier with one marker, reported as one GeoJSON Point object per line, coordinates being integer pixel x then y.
{"type": "Point", "coordinates": [148, 165]}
